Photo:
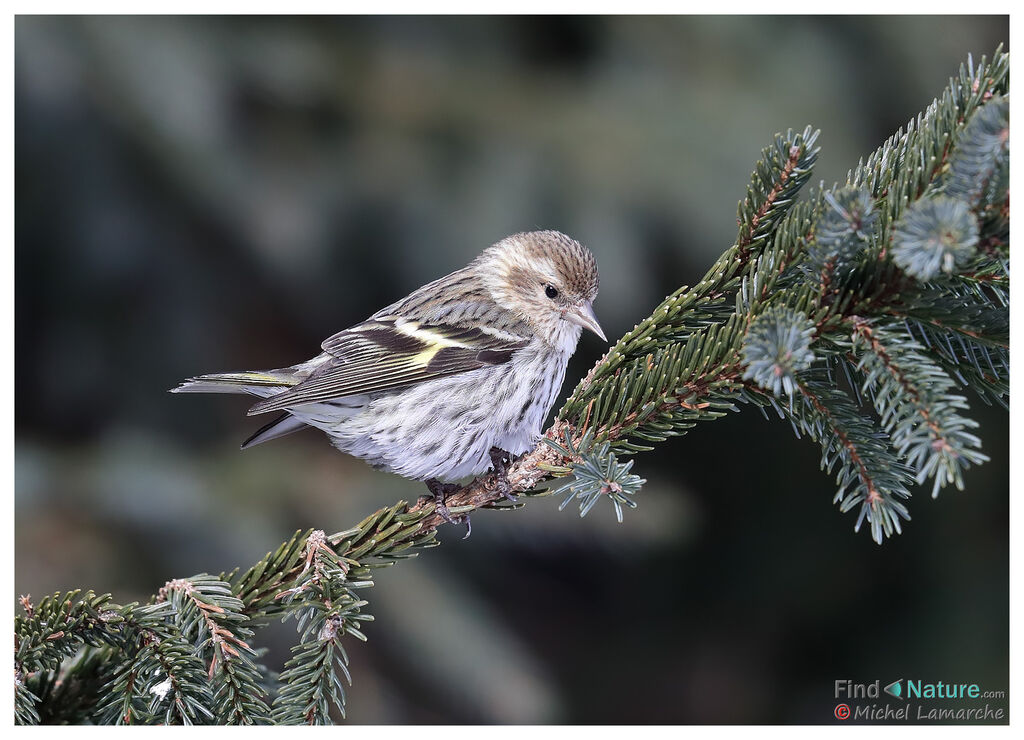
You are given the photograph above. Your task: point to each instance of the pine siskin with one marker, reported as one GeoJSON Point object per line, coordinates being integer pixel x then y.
{"type": "Point", "coordinates": [451, 379]}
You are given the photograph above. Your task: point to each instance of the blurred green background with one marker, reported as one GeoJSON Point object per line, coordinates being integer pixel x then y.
{"type": "Point", "coordinates": [202, 194]}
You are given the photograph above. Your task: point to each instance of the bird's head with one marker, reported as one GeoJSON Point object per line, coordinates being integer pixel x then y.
{"type": "Point", "coordinates": [546, 278]}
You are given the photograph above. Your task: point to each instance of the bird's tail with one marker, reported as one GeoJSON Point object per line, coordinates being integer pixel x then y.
{"type": "Point", "coordinates": [262, 383]}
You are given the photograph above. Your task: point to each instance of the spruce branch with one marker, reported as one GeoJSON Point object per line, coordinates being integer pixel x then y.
{"type": "Point", "coordinates": [982, 151]}
{"type": "Point", "coordinates": [973, 363]}
{"type": "Point", "coordinates": [310, 683]}
{"type": "Point", "coordinates": [783, 169]}
{"type": "Point", "coordinates": [895, 284]}
{"type": "Point", "coordinates": [26, 703]}
{"type": "Point", "coordinates": [180, 696]}
{"type": "Point", "coordinates": [161, 681]}
{"type": "Point", "coordinates": [53, 638]}
{"type": "Point", "coordinates": [68, 696]}
{"type": "Point", "coordinates": [58, 626]}
{"type": "Point", "coordinates": [914, 400]}
{"type": "Point", "coordinates": [207, 613]}
{"type": "Point", "coordinates": [598, 475]}
{"type": "Point", "coordinates": [869, 474]}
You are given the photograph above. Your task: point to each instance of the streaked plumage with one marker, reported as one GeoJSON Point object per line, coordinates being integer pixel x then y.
{"type": "Point", "coordinates": [428, 385]}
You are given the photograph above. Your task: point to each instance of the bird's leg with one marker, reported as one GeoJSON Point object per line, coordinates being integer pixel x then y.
{"type": "Point", "coordinates": [500, 461]}
{"type": "Point", "coordinates": [440, 491]}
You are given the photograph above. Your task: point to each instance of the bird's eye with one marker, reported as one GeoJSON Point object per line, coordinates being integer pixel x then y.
{"type": "Point", "coordinates": [551, 291]}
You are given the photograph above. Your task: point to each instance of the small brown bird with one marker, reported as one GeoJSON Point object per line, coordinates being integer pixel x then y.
{"type": "Point", "coordinates": [450, 380]}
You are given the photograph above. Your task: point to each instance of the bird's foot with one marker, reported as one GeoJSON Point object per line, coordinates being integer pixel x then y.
{"type": "Point", "coordinates": [440, 491]}
{"type": "Point", "coordinates": [500, 460]}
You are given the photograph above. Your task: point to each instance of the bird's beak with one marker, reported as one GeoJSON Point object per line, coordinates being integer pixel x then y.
{"type": "Point", "coordinates": [584, 316]}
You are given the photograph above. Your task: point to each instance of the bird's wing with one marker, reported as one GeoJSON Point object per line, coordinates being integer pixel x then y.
{"type": "Point", "coordinates": [389, 352]}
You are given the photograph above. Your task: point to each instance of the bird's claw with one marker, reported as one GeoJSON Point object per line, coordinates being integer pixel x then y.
{"type": "Point", "coordinates": [505, 489]}
{"type": "Point", "coordinates": [461, 519]}
{"type": "Point", "coordinates": [440, 491]}
{"type": "Point", "coordinates": [442, 510]}
{"type": "Point", "coordinates": [499, 462]}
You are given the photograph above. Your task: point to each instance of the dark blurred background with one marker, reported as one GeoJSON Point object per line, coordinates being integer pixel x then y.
{"type": "Point", "coordinates": [201, 194]}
